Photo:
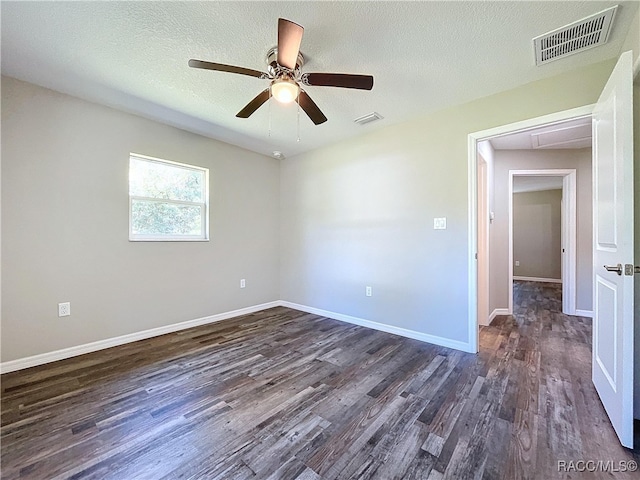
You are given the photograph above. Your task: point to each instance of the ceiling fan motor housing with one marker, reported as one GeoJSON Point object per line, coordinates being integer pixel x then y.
{"type": "Point", "coordinates": [277, 70]}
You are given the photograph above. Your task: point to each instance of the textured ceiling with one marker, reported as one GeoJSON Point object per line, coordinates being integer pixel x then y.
{"type": "Point", "coordinates": [570, 134]}
{"type": "Point", "coordinates": [424, 56]}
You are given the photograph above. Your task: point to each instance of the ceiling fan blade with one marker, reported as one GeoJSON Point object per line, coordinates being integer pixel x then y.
{"type": "Point", "coordinates": [289, 38]}
{"type": "Point", "coordinates": [221, 67]}
{"type": "Point", "coordinates": [310, 108]}
{"type": "Point", "coordinates": [254, 104]}
{"type": "Point", "coordinates": [344, 80]}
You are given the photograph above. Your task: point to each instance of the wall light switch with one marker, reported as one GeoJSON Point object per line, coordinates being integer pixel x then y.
{"type": "Point", "coordinates": [243, 283]}
{"type": "Point", "coordinates": [517, 263]}
{"type": "Point", "coordinates": [440, 223]}
{"type": "Point", "coordinates": [367, 291]}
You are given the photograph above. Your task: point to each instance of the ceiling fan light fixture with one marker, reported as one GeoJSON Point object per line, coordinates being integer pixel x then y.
{"type": "Point", "coordinates": [283, 71]}
{"type": "Point", "coordinates": [285, 90]}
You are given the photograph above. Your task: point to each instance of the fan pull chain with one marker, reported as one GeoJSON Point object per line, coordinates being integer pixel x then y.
{"type": "Point", "coordinates": [270, 102]}
{"type": "Point", "coordinates": [298, 102]}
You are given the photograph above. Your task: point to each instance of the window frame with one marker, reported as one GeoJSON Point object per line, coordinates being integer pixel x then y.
{"type": "Point", "coordinates": [203, 237]}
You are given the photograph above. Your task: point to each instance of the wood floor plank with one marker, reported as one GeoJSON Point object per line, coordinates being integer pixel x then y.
{"type": "Point", "coordinates": [522, 456]}
{"type": "Point", "coordinates": [496, 466]}
{"type": "Point", "coordinates": [291, 395]}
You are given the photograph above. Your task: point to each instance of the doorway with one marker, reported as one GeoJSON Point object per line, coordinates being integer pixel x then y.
{"type": "Point", "coordinates": [475, 216]}
{"type": "Point", "coordinates": [611, 239]}
{"type": "Point", "coordinates": [568, 232]}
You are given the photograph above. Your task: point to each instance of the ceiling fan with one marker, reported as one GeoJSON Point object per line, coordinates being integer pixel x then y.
{"type": "Point", "coordinates": [284, 64]}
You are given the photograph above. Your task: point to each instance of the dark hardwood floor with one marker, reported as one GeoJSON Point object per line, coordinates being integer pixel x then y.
{"type": "Point", "coordinates": [289, 395]}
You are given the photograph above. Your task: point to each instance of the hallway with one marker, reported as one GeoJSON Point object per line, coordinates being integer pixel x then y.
{"type": "Point", "coordinates": [556, 412]}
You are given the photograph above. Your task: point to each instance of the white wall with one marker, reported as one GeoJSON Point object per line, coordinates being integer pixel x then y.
{"type": "Point", "coordinates": [632, 40]}
{"type": "Point", "coordinates": [65, 226]}
{"type": "Point", "coordinates": [537, 234]}
{"type": "Point", "coordinates": [506, 160]}
{"type": "Point", "coordinates": [354, 214]}
{"type": "Point", "coordinates": [361, 212]}
{"type": "Point", "coordinates": [636, 236]}
{"type": "Point", "coordinates": [636, 233]}
{"type": "Point", "coordinates": [484, 207]}
{"type": "Point", "coordinates": [486, 150]}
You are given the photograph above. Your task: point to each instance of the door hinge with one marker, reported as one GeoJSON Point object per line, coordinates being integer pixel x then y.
{"type": "Point", "coordinates": [630, 269]}
{"type": "Point", "coordinates": [476, 256]}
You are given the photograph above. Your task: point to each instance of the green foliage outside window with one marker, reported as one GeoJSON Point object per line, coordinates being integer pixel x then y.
{"type": "Point", "coordinates": [167, 200]}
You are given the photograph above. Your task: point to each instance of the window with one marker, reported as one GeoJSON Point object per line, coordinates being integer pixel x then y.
{"type": "Point", "coordinates": [168, 201]}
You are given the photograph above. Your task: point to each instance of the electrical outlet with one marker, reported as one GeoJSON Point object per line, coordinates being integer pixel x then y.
{"type": "Point", "coordinates": [64, 309]}
{"type": "Point", "coordinates": [367, 291]}
{"type": "Point", "coordinates": [517, 263]}
{"type": "Point", "coordinates": [242, 283]}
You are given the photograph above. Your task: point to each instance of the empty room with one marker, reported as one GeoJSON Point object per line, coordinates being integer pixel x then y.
{"type": "Point", "coordinates": [278, 240]}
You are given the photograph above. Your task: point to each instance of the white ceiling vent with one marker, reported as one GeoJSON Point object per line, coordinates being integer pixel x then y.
{"type": "Point", "coordinates": [576, 37]}
{"type": "Point", "coordinates": [368, 118]}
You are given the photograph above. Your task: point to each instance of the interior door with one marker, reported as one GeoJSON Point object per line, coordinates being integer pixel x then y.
{"type": "Point", "coordinates": [612, 366]}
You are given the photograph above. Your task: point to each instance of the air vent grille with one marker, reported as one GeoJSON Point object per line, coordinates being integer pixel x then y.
{"type": "Point", "coordinates": [576, 37]}
{"type": "Point", "coordinates": [368, 118]}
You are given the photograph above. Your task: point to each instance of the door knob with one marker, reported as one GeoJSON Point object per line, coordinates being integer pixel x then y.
{"type": "Point", "coordinates": [617, 269]}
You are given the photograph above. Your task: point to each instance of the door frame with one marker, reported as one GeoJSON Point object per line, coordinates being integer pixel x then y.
{"type": "Point", "coordinates": [472, 191]}
{"type": "Point", "coordinates": [483, 241]}
{"type": "Point", "coordinates": [569, 233]}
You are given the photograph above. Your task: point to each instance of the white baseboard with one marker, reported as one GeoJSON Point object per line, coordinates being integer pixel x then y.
{"type": "Point", "coordinates": [584, 313]}
{"type": "Point", "coordinates": [56, 355]}
{"type": "Point", "coordinates": [403, 332]}
{"type": "Point", "coordinates": [64, 353]}
{"type": "Point", "coordinates": [538, 279]}
{"type": "Point", "coordinates": [498, 311]}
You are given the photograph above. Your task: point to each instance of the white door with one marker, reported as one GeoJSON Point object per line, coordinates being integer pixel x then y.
{"type": "Point", "coordinates": [613, 247]}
